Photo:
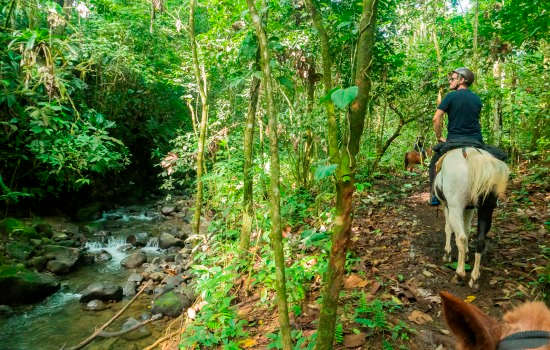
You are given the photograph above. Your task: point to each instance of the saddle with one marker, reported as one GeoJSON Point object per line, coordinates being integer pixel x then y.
{"type": "Point", "coordinates": [445, 147]}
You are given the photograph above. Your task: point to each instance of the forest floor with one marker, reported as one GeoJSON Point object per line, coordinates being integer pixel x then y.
{"type": "Point", "coordinates": [397, 249]}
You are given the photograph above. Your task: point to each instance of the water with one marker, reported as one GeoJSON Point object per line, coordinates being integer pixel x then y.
{"type": "Point", "coordinates": [60, 320]}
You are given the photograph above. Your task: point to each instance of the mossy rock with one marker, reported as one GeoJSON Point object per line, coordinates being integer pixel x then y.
{"type": "Point", "coordinates": [10, 227]}
{"type": "Point", "coordinates": [21, 286]}
{"type": "Point", "coordinates": [171, 304]}
{"type": "Point", "coordinates": [44, 229]}
{"type": "Point", "coordinates": [90, 212]}
{"type": "Point", "coordinates": [19, 250]}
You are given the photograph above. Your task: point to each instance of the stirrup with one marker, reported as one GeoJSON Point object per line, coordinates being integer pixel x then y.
{"type": "Point", "coordinates": [434, 201]}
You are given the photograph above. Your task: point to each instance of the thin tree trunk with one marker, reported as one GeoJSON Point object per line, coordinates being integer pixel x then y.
{"type": "Point", "coordinates": [332, 134]}
{"type": "Point", "coordinates": [497, 108]}
{"type": "Point", "coordinates": [152, 19]}
{"type": "Point", "coordinates": [200, 77]}
{"type": "Point", "coordinates": [475, 63]}
{"type": "Point", "coordinates": [439, 66]}
{"type": "Point", "coordinates": [345, 158]}
{"type": "Point", "coordinates": [275, 197]}
{"type": "Point", "coordinates": [248, 211]}
{"type": "Point", "coordinates": [193, 117]}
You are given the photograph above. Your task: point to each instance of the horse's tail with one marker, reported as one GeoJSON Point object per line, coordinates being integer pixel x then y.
{"type": "Point", "coordinates": [406, 160]}
{"type": "Point", "coordinates": [487, 174]}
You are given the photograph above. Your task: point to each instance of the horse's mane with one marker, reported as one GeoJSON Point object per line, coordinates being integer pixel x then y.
{"type": "Point", "coordinates": [476, 330]}
{"type": "Point", "coordinates": [531, 315]}
{"type": "Point", "coordinates": [486, 174]}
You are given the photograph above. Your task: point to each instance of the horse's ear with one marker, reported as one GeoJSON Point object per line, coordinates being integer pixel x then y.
{"type": "Point", "coordinates": [474, 329]}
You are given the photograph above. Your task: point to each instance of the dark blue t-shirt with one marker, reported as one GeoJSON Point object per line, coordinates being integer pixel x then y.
{"type": "Point", "coordinates": [463, 108]}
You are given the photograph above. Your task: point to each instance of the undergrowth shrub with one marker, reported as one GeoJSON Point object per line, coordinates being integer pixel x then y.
{"type": "Point", "coordinates": [217, 324]}
{"type": "Point", "coordinates": [373, 315]}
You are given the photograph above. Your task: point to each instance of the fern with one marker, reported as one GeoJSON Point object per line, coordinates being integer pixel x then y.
{"type": "Point", "coordinates": [339, 333]}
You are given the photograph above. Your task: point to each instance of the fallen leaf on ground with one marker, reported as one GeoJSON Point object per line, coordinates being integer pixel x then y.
{"type": "Point", "coordinates": [247, 343]}
{"type": "Point", "coordinates": [354, 281]}
{"type": "Point", "coordinates": [419, 317]}
{"type": "Point", "coordinates": [470, 298]}
{"type": "Point", "coordinates": [354, 340]}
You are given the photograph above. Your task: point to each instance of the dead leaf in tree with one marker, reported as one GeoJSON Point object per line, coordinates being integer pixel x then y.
{"type": "Point", "coordinates": [419, 317]}
{"type": "Point", "coordinates": [354, 340]}
{"type": "Point", "coordinates": [354, 281]}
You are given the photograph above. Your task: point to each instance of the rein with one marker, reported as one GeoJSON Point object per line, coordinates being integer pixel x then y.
{"type": "Point", "coordinates": [524, 340]}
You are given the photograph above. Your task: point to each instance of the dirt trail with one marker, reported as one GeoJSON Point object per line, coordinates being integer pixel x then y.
{"type": "Point", "coordinates": [397, 246]}
{"type": "Point", "coordinates": [401, 244]}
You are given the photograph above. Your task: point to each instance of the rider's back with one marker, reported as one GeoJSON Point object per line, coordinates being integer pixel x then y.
{"type": "Point", "coordinates": [463, 108]}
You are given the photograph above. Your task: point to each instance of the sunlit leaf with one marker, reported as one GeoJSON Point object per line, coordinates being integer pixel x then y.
{"type": "Point", "coordinates": [343, 97]}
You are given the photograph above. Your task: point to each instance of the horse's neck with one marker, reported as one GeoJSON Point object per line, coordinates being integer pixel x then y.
{"type": "Point", "coordinates": [527, 317]}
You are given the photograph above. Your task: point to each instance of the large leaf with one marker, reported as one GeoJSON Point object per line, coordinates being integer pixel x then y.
{"type": "Point", "coordinates": [326, 98]}
{"type": "Point", "coordinates": [286, 82]}
{"type": "Point", "coordinates": [324, 171]}
{"type": "Point", "coordinates": [343, 97]}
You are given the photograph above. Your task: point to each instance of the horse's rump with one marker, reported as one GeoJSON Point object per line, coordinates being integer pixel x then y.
{"type": "Point", "coordinates": [486, 174]}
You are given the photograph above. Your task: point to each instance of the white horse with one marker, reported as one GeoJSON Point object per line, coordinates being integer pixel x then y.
{"type": "Point", "coordinates": [469, 178]}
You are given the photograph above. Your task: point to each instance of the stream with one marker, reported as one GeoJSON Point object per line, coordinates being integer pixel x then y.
{"type": "Point", "coordinates": [60, 320]}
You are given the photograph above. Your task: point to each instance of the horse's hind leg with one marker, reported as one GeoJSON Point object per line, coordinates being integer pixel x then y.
{"type": "Point", "coordinates": [448, 235]}
{"type": "Point", "coordinates": [456, 220]}
{"type": "Point", "coordinates": [484, 219]}
{"type": "Point", "coordinates": [468, 214]}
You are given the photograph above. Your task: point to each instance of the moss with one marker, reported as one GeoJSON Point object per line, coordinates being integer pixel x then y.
{"type": "Point", "coordinates": [7, 271]}
{"type": "Point", "coordinates": [167, 300]}
{"type": "Point", "coordinates": [9, 226]}
{"type": "Point", "coordinates": [19, 250]}
{"type": "Point", "coordinates": [12, 227]}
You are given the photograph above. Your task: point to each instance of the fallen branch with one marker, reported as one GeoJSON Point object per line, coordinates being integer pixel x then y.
{"type": "Point", "coordinates": [100, 329]}
{"type": "Point", "coordinates": [184, 319]}
{"type": "Point", "coordinates": [162, 340]}
{"type": "Point", "coordinates": [128, 330]}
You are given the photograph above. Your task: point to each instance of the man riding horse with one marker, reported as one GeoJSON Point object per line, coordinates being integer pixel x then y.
{"type": "Point", "coordinates": [463, 108]}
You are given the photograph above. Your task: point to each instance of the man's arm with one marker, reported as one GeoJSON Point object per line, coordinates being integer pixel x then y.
{"type": "Point", "coordinates": [438, 124]}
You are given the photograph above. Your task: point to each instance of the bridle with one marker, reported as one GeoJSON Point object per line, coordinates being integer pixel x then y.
{"type": "Point", "coordinates": [524, 340]}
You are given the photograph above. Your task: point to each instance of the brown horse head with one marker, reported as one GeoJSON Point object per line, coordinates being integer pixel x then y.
{"type": "Point", "coordinates": [525, 327]}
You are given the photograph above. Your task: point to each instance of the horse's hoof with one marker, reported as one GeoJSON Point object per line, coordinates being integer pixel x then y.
{"type": "Point", "coordinates": [473, 284]}
{"type": "Point", "coordinates": [446, 257]}
{"type": "Point", "coordinates": [458, 280]}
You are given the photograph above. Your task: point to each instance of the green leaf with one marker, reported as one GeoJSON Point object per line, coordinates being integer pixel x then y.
{"type": "Point", "coordinates": [325, 171]}
{"type": "Point", "coordinates": [326, 98]}
{"type": "Point", "coordinates": [286, 82]}
{"type": "Point", "coordinates": [454, 265]}
{"type": "Point", "coordinates": [257, 74]}
{"type": "Point", "coordinates": [343, 97]}
{"type": "Point", "coordinates": [30, 42]}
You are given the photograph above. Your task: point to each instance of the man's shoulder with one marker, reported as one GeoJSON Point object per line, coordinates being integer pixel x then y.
{"type": "Point", "coordinates": [472, 94]}
{"type": "Point", "coordinates": [452, 93]}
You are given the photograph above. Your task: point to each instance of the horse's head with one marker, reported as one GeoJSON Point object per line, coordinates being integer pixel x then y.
{"type": "Point", "coordinates": [525, 327]}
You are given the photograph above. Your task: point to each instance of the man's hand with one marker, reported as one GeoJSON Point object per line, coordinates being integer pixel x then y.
{"type": "Point", "coordinates": [442, 139]}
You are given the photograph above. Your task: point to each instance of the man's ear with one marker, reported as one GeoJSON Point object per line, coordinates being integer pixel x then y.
{"type": "Point", "coordinates": [473, 329]}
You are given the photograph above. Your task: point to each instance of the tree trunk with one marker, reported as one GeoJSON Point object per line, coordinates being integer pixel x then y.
{"type": "Point", "coordinates": [275, 196]}
{"type": "Point", "coordinates": [193, 118]}
{"type": "Point", "coordinates": [497, 108]}
{"type": "Point", "coordinates": [200, 77]}
{"type": "Point", "coordinates": [475, 63]}
{"type": "Point", "coordinates": [248, 211]}
{"type": "Point", "coordinates": [439, 67]}
{"type": "Point", "coordinates": [345, 159]}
